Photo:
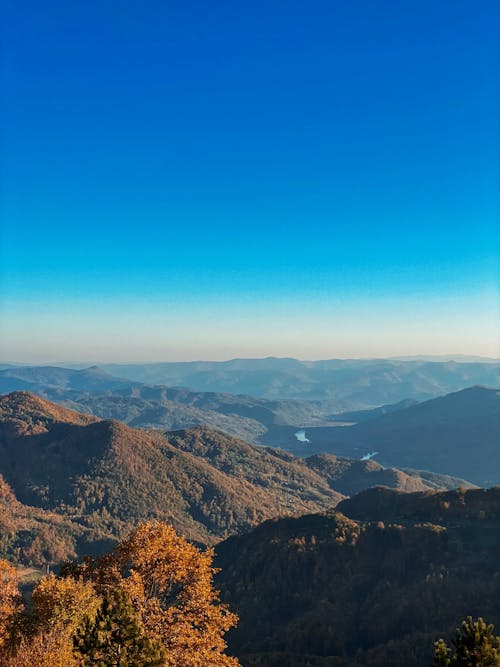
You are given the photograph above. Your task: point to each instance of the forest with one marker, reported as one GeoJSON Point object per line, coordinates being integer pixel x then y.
{"type": "Point", "coordinates": [151, 602]}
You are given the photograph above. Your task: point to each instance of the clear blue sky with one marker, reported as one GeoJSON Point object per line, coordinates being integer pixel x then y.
{"type": "Point", "coordinates": [214, 179]}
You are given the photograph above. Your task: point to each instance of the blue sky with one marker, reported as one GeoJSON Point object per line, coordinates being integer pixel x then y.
{"type": "Point", "coordinates": [207, 180]}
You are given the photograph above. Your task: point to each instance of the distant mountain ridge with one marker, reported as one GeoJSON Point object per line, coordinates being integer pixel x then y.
{"type": "Point", "coordinates": [456, 434]}
{"type": "Point", "coordinates": [259, 420]}
{"type": "Point", "coordinates": [86, 379]}
{"type": "Point", "coordinates": [350, 384]}
{"type": "Point", "coordinates": [156, 406]}
{"type": "Point", "coordinates": [353, 383]}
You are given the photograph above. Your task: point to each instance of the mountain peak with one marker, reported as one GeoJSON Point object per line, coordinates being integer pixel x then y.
{"type": "Point", "coordinates": [35, 412]}
{"type": "Point", "coordinates": [94, 370]}
{"type": "Point", "coordinates": [479, 389]}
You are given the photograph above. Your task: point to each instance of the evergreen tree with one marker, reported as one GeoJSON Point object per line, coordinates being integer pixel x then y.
{"type": "Point", "coordinates": [475, 645]}
{"type": "Point", "coordinates": [115, 638]}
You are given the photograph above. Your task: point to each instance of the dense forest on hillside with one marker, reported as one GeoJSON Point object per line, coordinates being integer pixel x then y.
{"type": "Point", "coordinates": [151, 602]}
{"type": "Point", "coordinates": [72, 484]}
{"type": "Point", "coordinates": [327, 590]}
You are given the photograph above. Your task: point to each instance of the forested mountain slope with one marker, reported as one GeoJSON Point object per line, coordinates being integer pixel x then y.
{"type": "Point", "coordinates": [103, 476]}
{"type": "Point", "coordinates": [108, 474]}
{"type": "Point", "coordinates": [327, 590]}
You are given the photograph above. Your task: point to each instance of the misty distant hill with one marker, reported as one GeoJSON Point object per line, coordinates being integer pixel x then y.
{"type": "Point", "coordinates": [336, 385]}
{"type": "Point", "coordinates": [95, 391]}
{"type": "Point", "coordinates": [25, 378]}
{"type": "Point", "coordinates": [351, 383]}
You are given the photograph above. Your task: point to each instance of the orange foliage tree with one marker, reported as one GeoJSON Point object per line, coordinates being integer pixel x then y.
{"type": "Point", "coordinates": [48, 648]}
{"type": "Point", "coordinates": [10, 600]}
{"type": "Point", "coordinates": [59, 607]}
{"type": "Point", "coordinates": [63, 604]}
{"type": "Point", "coordinates": [170, 584]}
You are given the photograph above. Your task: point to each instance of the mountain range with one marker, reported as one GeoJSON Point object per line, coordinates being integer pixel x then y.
{"type": "Point", "coordinates": [330, 559]}
{"type": "Point", "coordinates": [456, 434]}
{"type": "Point", "coordinates": [80, 482]}
{"type": "Point", "coordinates": [351, 384]}
{"type": "Point", "coordinates": [348, 384]}
{"type": "Point", "coordinates": [94, 391]}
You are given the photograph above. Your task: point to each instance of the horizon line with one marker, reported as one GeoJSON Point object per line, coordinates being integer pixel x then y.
{"type": "Point", "coordinates": [409, 357]}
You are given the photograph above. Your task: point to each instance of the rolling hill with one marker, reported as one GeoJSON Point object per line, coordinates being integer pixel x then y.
{"type": "Point", "coordinates": [108, 474]}
{"type": "Point", "coordinates": [104, 476]}
{"type": "Point", "coordinates": [148, 406]}
{"type": "Point", "coordinates": [431, 435]}
{"type": "Point", "coordinates": [26, 378]}
{"type": "Point", "coordinates": [339, 384]}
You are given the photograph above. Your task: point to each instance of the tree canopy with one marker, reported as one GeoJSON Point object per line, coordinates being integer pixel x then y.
{"type": "Point", "coordinates": [474, 645]}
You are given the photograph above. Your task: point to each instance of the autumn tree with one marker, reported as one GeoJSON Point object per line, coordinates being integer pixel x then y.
{"type": "Point", "coordinates": [10, 600]}
{"type": "Point", "coordinates": [63, 603]}
{"type": "Point", "coordinates": [47, 648]}
{"type": "Point", "coordinates": [150, 602]}
{"type": "Point", "coordinates": [475, 645]}
{"type": "Point", "coordinates": [59, 607]}
{"type": "Point", "coordinates": [170, 584]}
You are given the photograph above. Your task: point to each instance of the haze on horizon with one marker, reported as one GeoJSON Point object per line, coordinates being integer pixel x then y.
{"type": "Point", "coordinates": [186, 182]}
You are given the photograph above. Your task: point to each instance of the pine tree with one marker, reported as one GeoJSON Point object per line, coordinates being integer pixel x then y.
{"type": "Point", "coordinates": [115, 638]}
{"type": "Point", "coordinates": [441, 654]}
{"type": "Point", "coordinates": [475, 646]}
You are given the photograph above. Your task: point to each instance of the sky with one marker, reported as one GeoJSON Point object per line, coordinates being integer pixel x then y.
{"type": "Point", "coordinates": [194, 180]}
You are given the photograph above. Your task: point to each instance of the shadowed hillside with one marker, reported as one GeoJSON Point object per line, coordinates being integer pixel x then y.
{"type": "Point", "coordinates": [328, 590]}
{"type": "Point", "coordinates": [457, 434]}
